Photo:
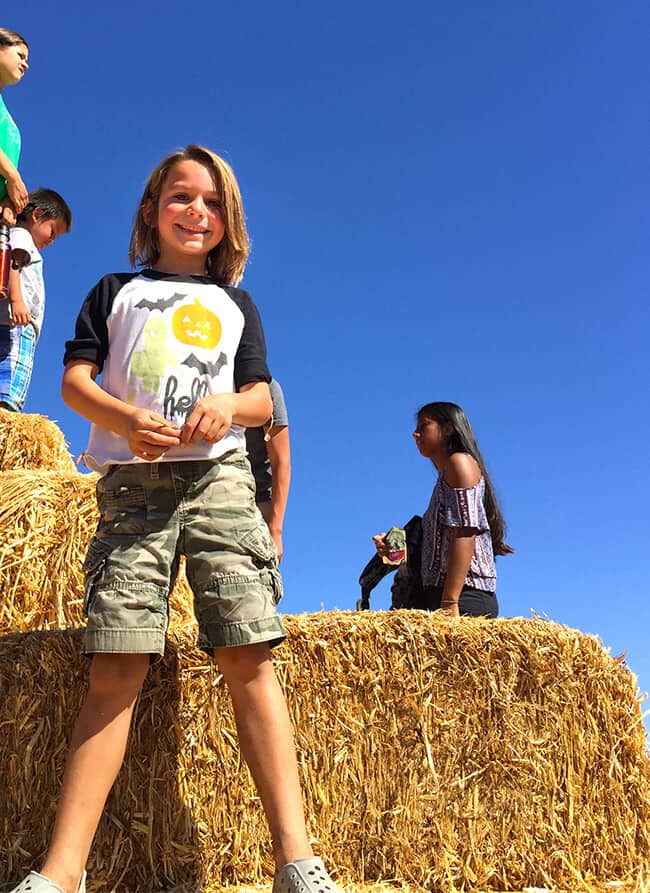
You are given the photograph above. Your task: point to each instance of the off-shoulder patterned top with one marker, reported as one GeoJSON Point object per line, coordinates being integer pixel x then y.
{"type": "Point", "coordinates": [457, 507]}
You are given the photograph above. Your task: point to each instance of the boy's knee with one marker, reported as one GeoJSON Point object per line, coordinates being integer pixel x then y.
{"type": "Point", "coordinates": [117, 673]}
{"type": "Point", "coordinates": [244, 662]}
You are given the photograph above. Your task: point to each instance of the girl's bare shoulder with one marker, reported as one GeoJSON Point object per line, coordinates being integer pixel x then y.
{"type": "Point", "coordinates": [462, 471]}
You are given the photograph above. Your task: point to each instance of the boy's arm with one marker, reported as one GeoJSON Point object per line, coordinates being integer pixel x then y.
{"type": "Point", "coordinates": [213, 416]}
{"type": "Point", "coordinates": [279, 452]}
{"type": "Point", "coordinates": [20, 314]}
{"type": "Point", "coordinates": [149, 435]}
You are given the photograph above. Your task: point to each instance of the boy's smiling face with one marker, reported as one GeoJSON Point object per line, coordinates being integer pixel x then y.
{"type": "Point", "coordinates": [13, 63]}
{"type": "Point", "coordinates": [45, 231]}
{"type": "Point", "coordinates": [189, 220]}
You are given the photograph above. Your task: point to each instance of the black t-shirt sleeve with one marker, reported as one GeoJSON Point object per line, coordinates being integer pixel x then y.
{"type": "Point", "coordinates": [250, 359]}
{"type": "Point", "coordinates": [90, 340]}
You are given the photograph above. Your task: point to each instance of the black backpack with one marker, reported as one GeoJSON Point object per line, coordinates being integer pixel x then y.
{"type": "Point", "coordinates": [406, 591]}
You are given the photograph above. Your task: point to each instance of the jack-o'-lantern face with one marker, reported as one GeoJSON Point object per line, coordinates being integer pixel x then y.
{"type": "Point", "coordinates": [196, 325]}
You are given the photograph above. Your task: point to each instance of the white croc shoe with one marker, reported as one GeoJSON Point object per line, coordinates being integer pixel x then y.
{"type": "Point", "coordinates": [38, 883]}
{"type": "Point", "coordinates": [304, 876]}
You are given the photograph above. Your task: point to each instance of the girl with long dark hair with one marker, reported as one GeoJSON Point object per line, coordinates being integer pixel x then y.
{"type": "Point", "coordinates": [14, 53]}
{"type": "Point", "coordinates": [463, 528]}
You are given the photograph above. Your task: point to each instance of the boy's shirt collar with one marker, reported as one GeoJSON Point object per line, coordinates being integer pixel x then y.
{"type": "Point", "coordinates": [178, 277]}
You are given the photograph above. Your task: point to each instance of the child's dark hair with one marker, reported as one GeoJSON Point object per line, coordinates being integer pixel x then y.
{"type": "Point", "coordinates": [11, 38]}
{"type": "Point", "coordinates": [462, 440]}
{"type": "Point", "coordinates": [51, 205]}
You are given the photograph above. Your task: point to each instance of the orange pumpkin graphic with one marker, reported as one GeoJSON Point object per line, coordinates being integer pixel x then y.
{"type": "Point", "coordinates": [196, 325]}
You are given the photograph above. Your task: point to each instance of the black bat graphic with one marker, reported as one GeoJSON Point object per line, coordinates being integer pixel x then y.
{"type": "Point", "coordinates": [162, 305]}
{"type": "Point", "coordinates": [208, 368]}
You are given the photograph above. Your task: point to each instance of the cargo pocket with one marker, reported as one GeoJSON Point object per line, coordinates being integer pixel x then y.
{"type": "Point", "coordinates": [259, 545]}
{"type": "Point", "coordinates": [271, 579]}
{"type": "Point", "coordinates": [93, 568]}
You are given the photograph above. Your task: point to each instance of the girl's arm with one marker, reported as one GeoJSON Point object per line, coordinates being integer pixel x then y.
{"type": "Point", "coordinates": [149, 435]}
{"type": "Point", "coordinates": [462, 472]}
{"type": "Point", "coordinates": [279, 453]}
{"type": "Point", "coordinates": [213, 416]}
{"type": "Point", "coordinates": [16, 189]}
{"type": "Point", "coordinates": [459, 558]}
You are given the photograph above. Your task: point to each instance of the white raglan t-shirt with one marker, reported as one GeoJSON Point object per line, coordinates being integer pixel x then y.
{"type": "Point", "coordinates": [162, 342]}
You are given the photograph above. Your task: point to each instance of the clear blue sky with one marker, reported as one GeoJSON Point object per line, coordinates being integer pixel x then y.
{"type": "Point", "coordinates": [447, 200]}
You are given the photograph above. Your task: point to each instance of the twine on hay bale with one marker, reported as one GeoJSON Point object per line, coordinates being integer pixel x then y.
{"type": "Point", "coordinates": [46, 521]}
{"type": "Point", "coordinates": [447, 755]}
{"type": "Point", "coordinates": [32, 441]}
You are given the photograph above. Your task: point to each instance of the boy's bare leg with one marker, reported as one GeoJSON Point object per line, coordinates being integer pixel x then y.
{"type": "Point", "coordinates": [266, 741]}
{"type": "Point", "coordinates": [94, 758]}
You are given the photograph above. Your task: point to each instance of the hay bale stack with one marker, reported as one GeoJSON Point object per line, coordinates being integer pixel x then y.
{"type": "Point", "coordinates": [32, 441]}
{"type": "Point", "coordinates": [452, 755]}
{"type": "Point", "coordinates": [46, 521]}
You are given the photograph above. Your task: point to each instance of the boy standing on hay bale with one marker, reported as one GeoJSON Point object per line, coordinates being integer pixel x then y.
{"type": "Point", "coordinates": [45, 217]}
{"type": "Point", "coordinates": [183, 363]}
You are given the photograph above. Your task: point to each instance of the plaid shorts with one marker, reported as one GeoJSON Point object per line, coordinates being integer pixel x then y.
{"type": "Point", "coordinates": [17, 345]}
{"type": "Point", "coordinates": [150, 515]}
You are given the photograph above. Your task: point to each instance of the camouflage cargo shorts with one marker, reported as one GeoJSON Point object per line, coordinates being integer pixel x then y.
{"type": "Point", "coordinates": [151, 514]}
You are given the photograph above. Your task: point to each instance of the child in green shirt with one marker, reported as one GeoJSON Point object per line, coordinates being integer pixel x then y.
{"type": "Point", "coordinates": [14, 52]}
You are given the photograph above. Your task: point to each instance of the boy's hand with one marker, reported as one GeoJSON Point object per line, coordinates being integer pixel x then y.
{"type": "Point", "coordinates": [210, 420]}
{"type": "Point", "coordinates": [17, 192]}
{"type": "Point", "coordinates": [20, 314]}
{"type": "Point", "coordinates": [150, 435]}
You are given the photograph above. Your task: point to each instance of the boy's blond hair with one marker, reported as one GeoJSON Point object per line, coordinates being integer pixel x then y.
{"type": "Point", "coordinates": [226, 262]}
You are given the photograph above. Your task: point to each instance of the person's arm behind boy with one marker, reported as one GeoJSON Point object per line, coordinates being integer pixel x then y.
{"type": "Point", "coordinates": [278, 449]}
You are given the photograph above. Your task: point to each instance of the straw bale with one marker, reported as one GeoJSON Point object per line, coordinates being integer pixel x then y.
{"type": "Point", "coordinates": [393, 887]}
{"type": "Point", "coordinates": [434, 753]}
{"type": "Point", "coordinates": [46, 521]}
{"type": "Point", "coordinates": [267, 888]}
{"type": "Point", "coordinates": [32, 441]}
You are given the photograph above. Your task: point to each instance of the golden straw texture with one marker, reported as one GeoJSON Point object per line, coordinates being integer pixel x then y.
{"type": "Point", "coordinates": [434, 754]}
{"type": "Point", "coordinates": [32, 441]}
{"type": "Point", "coordinates": [46, 521]}
{"type": "Point", "coordinates": [444, 754]}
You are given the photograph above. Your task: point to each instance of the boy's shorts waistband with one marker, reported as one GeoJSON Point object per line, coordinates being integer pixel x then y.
{"type": "Point", "coordinates": [192, 468]}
